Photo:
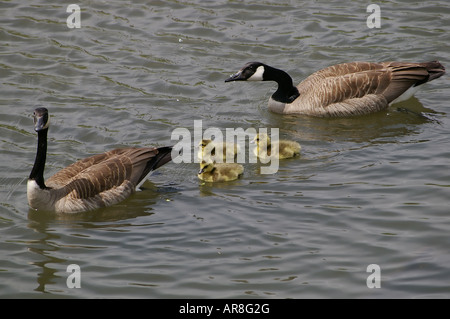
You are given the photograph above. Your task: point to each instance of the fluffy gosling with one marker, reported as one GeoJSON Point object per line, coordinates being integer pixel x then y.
{"type": "Point", "coordinates": [220, 172]}
{"type": "Point", "coordinates": [211, 151]}
{"type": "Point", "coordinates": [265, 148]}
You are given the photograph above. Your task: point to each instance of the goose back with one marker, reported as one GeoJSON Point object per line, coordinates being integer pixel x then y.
{"type": "Point", "coordinates": [98, 181]}
{"type": "Point", "coordinates": [357, 88]}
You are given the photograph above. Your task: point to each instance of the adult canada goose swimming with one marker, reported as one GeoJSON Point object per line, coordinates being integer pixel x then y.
{"type": "Point", "coordinates": [281, 149]}
{"type": "Point", "coordinates": [219, 172]}
{"type": "Point", "coordinates": [217, 152]}
{"type": "Point", "coordinates": [346, 89]}
{"type": "Point", "coordinates": [97, 181]}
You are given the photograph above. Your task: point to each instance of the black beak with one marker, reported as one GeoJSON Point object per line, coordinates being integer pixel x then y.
{"type": "Point", "coordinates": [39, 123]}
{"type": "Point", "coordinates": [236, 77]}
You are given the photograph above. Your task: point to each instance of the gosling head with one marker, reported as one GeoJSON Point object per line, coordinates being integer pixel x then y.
{"type": "Point", "coordinates": [207, 149]}
{"type": "Point", "coordinates": [206, 167]}
{"type": "Point", "coordinates": [204, 142]}
{"type": "Point", "coordinates": [261, 139]}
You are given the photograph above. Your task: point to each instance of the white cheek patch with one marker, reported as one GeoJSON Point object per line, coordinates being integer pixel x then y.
{"type": "Point", "coordinates": [258, 75]}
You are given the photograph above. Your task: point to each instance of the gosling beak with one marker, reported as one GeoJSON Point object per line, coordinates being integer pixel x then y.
{"type": "Point", "coordinates": [201, 170]}
{"type": "Point", "coordinates": [236, 77]}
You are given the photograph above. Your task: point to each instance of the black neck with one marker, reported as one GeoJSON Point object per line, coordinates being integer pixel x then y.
{"type": "Point", "coordinates": [286, 92]}
{"type": "Point", "coordinates": [37, 173]}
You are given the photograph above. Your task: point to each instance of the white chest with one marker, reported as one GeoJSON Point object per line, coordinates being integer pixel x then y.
{"type": "Point", "coordinates": [38, 198]}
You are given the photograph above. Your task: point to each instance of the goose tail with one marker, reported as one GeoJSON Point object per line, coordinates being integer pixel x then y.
{"type": "Point", "coordinates": [164, 156]}
{"type": "Point", "coordinates": [435, 70]}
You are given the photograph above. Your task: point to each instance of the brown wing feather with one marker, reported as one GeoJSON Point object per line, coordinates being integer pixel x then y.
{"type": "Point", "coordinates": [362, 87]}
{"type": "Point", "coordinates": [405, 75]}
{"type": "Point", "coordinates": [340, 89]}
{"type": "Point", "coordinates": [338, 70]}
{"type": "Point", "coordinates": [99, 173]}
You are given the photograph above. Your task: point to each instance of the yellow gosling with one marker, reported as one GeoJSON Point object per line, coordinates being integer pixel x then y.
{"type": "Point", "coordinates": [265, 148]}
{"type": "Point", "coordinates": [209, 151]}
{"type": "Point", "coordinates": [219, 172]}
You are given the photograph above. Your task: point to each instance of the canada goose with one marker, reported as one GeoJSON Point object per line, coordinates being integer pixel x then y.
{"type": "Point", "coordinates": [94, 182]}
{"type": "Point", "coordinates": [346, 89]}
{"type": "Point", "coordinates": [219, 172]}
{"type": "Point", "coordinates": [281, 149]}
{"type": "Point", "coordinates": [210, 151]}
